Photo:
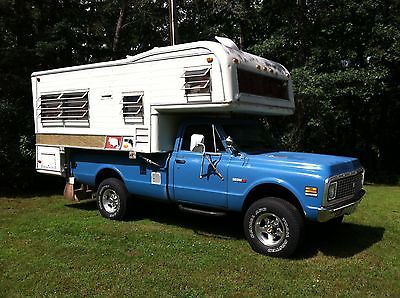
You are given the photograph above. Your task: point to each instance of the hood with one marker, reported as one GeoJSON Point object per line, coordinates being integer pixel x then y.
{"type": "Point", "coordinates": [332, 164]}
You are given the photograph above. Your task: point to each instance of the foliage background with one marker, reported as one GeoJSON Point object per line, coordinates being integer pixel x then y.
{"type": "Point", "coordinates": [344, 57]}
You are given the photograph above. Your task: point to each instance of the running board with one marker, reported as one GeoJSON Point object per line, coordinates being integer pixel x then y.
{"type": "Point", "coordinates": [201, 211]}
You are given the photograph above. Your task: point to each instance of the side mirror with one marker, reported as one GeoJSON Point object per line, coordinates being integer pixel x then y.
{"type": "Point", "coordinates": [229, 143]}
{"type": "Point", "coordinates": [197, 143]}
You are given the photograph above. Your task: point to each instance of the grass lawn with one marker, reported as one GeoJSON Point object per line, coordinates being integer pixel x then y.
{"type": "Point", "coordinates": [50, 247]}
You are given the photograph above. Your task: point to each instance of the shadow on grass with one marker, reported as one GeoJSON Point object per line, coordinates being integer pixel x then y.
{"type": "Point", "coordinates": [41, 186]}
{"type": "Point", "coordinates": [88, 205]}
{"type": "Point", "coordinates": [342, 241]}
{"type": "Point", "coordinates": [226, 227]}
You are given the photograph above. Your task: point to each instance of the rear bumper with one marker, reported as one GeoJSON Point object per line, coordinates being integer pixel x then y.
{"type": "Point", "coordinates": [325, 214]}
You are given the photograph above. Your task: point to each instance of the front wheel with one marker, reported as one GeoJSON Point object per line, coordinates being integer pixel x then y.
{"type": "Point", "coordinates": [112, 198]}
{"type": "Point", "coordinates": [273, 227]}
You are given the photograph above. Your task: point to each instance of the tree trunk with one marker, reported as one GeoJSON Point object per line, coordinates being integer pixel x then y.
{"type": "Point", "coordinates": [122, 11]}
{"type": "Point", "coordinates": [244, 24]}
{"type": "Point", "coordinates": [173, 23]}
{"type": "Point", "coordinates": [299, 62]}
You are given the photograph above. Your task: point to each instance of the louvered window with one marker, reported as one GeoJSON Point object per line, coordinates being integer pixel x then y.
{"type": "Point", "coordinates": [69, 108]}
{"type": "Point", "coordinates": [132, 108]}
{"type": "Point", "coordinates": [197, 81]}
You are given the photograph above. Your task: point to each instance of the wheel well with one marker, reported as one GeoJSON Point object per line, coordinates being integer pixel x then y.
{"type": "Point", "coordinates": [271, 190]}
{"type": "Point", "coordinates": [106, 173]}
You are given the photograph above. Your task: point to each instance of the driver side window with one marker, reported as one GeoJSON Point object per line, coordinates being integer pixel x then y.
{"type": "Point", "coordinates": [207, 131]}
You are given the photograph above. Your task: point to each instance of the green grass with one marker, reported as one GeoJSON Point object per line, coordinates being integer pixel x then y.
{"type": "Point", "coordinates": [50, 247]}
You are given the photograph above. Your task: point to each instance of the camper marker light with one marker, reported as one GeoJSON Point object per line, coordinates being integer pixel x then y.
{"type": "Point", "coordinates": [311, 191]}
{"type": "Point", "coordinates": [210, 59]}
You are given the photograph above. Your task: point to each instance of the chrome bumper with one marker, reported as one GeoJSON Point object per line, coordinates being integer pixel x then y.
{"type": "Point", "coordinates": [325, 214]}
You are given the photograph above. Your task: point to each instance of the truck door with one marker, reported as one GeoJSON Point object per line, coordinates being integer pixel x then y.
{"type": "Point", "coordinates": [200, 176]}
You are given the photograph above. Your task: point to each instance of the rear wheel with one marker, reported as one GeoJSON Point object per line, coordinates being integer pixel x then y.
{"type": "Point", "coordinates": [112, 198]}
{"type": "Point", "coordinates": [273, 227]}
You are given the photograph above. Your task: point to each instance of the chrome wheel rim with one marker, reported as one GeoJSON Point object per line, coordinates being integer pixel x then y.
{"type": "Point", "coordinates": [270, 229]}
{"type": "Point", "coordinates": [110, 200]}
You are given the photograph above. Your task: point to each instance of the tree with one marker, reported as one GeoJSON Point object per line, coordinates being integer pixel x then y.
{"type": "Point", "coordinates": [344, 57]}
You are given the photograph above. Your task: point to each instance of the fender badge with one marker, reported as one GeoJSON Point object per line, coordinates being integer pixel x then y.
{"type": "Point", "coordinates": [239, 180]}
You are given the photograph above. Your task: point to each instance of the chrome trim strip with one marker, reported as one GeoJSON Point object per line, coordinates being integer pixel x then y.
{"type": "Point", "coordinates": [325, 214]}
{"type": "Point", "coordinates": [343, 175]}
{"type": "Point", "coordinates": [344, 206]}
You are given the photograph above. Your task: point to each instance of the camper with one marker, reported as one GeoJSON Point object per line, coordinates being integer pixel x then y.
{"type": "Point", "coordinates": [180, 124]}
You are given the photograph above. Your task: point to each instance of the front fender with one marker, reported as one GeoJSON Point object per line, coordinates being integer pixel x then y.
{"type": "Point", "coordinates": [275, 181]}
{"type": "Point", "coordinates": [293, 182]}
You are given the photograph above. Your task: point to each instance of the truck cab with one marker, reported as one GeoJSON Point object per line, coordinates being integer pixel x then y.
{"type": "Point", "coordinates": [234, 165]}
{"type": "Point", "coordinates": [230, 158]}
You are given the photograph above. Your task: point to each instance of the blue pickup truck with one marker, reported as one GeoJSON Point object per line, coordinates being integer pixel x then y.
{"type": "Point", "coordinates": [229, 165]}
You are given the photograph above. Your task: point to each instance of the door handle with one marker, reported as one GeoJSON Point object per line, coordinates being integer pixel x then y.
{"type": "Point", "coordinates": [180, 161]}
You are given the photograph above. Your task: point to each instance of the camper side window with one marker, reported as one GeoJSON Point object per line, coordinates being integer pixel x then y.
{"type": "Point", "coordinates": [132, 108]}
{"type": "Point", "coordinates": [68, 108]}
{"type": "Point", "coordinates": [262, 85]}
{"type": "Point", "coordinates": [197, 81]}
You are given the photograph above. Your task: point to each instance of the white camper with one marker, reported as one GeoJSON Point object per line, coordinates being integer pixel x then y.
{"type": "Point", "coordinates": [134, 104]}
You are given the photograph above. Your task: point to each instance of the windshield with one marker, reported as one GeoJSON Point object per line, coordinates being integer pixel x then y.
{"type": "Point", "coordinates": [251, 138]}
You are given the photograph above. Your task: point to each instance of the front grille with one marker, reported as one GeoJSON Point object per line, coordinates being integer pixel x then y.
{"type": "Point", "coordinates": [349, 186]}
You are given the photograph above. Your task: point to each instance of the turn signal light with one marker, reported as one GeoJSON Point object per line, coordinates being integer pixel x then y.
{"type": "Point", "coordinates": [311, 191]}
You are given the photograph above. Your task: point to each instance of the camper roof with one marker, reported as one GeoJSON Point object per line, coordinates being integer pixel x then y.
{"type": "Point", "coordinates": [224, 49]}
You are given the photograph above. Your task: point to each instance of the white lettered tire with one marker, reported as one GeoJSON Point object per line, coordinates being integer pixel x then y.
{"type": "Point", "coordinates": [273, 227]}
{"type": "Point", "coordinates": [112, 198]}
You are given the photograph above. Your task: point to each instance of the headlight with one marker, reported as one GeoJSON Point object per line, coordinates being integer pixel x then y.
{"type": "Point", "coordinates": [332, 191]}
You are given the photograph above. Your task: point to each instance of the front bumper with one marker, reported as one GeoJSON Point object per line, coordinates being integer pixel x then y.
{"type": "Point", "coordinates": [325, 214]}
